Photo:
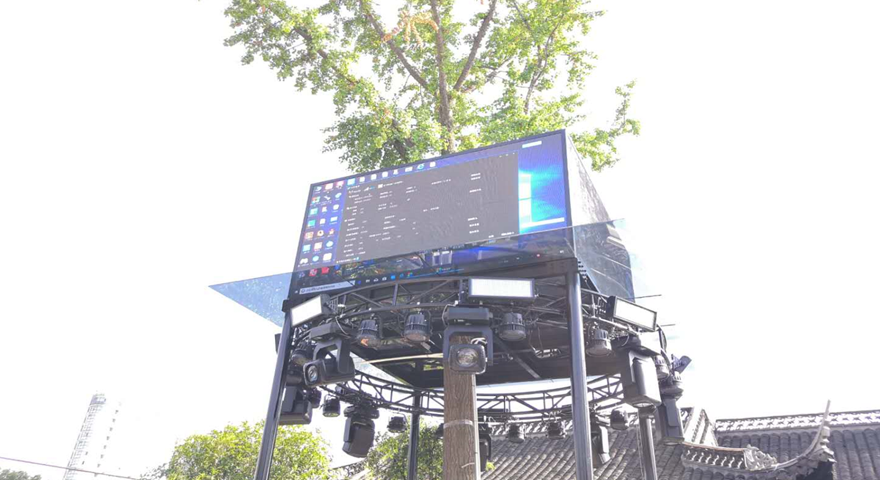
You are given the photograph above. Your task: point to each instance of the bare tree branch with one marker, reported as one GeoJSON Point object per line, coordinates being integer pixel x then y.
{"type": "Point", "coordinates": [484, 27]}
{"type": "Point", "coordinates": [394, 48]}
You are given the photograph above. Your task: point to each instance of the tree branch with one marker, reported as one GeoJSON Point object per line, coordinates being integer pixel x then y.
{"type": "Point", "coordinates": [394, 48]}
{"type": "Point", "coordinates": [484, 27]}
{"type": "Point", "coordinates": [525, 21]}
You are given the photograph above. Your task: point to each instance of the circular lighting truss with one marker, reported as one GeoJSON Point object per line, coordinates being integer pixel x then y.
{"type": "Point", "coordinates": [391, 304]}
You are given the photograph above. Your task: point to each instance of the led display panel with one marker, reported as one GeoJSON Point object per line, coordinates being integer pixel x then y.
{"type": "Point", "coordinates": [435, 216]}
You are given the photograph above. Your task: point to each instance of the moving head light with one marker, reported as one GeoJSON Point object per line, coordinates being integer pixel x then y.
{"type": "Point", "coordinates": [360, 430]}
{"type": "Point", "coordinates": [332, 364]}
{"type": "Point", "coordinates": [296, 407]}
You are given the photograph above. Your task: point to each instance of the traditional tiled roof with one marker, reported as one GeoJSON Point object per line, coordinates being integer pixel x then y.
{"type": "Point", "coordinates": [845, 447]}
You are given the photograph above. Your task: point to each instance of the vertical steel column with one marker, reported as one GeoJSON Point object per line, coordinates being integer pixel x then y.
{"type": "Point", "coordinates": [270, 430]}
{"type": "Point", "coordinates": [412, 466]}
{"type": "Point", "coordinates": [580, 395]}
{"type": "Point", "coordinates": [646, 439]}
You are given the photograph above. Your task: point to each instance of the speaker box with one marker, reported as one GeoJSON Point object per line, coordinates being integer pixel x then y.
{"type": "Point", "coordinates": [358, 436]}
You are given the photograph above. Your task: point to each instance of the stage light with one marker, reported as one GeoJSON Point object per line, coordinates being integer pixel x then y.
{"type": "Point", "coordinates": [514, 434]}
{"type": "Point", "coordinates": [313, 395]}
{"type": "Point", "coordinates": [599, 345]}
{"type": "Point", "coordinates": [332, 364]}
{"type": "Point", "coordinates": [331, 407]}
{"type": "Point", "coordinates": [554, 430]}
{"type": "Point", "coordinates": [368, 334]}
{"type": "Point", "coordinates": [511, 328]}
{"type": "Point", "coordinates": [662, 367]}
{"type": "Point", "coordinates": [485, 440]}
{"type": "Point", "coordinates": [360, 430]}
{"type": "Point", "coordinates": [619, 419]}
{"type": "Point", "coordinates": [672, 386]}
{"type": "Point", "coordinates": [509, 288]}
{"type": "Point", "coordinates": [302, 354]}
{"type": "Point", "coordinates": [310, 309]}
{"type": "Point", "coordinates": [467, 358]}
{"type": "Point", "coordinates": [633, 314]}
{"type": "Point", "coordinates": [397, 424]}
{"type": "Point", "coordinates": [295, 407]}
{"type": "Point", "coordinates": [600, 447]}
{"type": "Point", "coordinates": [638, 376]}
{"type": "Point", "coordinates": [417, 328]}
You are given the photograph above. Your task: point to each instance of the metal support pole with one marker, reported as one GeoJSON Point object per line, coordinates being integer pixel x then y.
{"type": "Point", "coordinates": [646, 439]}
{"type": "Point", "coordinates": [412, 466]}
{"type": "Point", "coordinates": [580, 395]}
{"type": "Point", "coordinates": [270, 430]}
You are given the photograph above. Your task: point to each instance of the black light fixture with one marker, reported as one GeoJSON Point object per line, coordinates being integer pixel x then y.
{"type": "Point", "coordinates": [417, 329]}
{"type": "Point", "coordinates": [332, 364]}
{"type": "Point", "coordinates": [397, 424]}
{"type": "Point", "coordinates": [313, 395]}
{"type": "Point", "coordinates": [296, 409]}
{"type": "Point", "coordinates": [555, 430]}
{"type": "Point", "coordinates": [467, 358]}
{"type": "Point", "coordinates": [514, 434]}
{"type": "Point", "coordinates": [485, 441]}
{"type": "Point", "coordinates": [600, 447]}
{"type": "Point", "coordinates": [511, 327]}
{"type": "Point", "coordinates": [662, 367]}
{"type": "Point", "coordinates": [302, 354]}
{"type": "Point", "coordinates": [599, 345]}
{"type": "Point", "coordinates": [619, 419]}
{"type": "Point", "coordinates": [368, 334]}
{"type": "Point", "coordinates": [360, 430]}
{"type": "Point", "coordinates": [638, 376]}
{"type": "Point", "coordinates": [332, 407]}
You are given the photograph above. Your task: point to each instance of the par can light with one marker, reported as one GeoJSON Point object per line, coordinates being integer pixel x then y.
{"type": "Point", "coordinates": [397, 424]}
{"type": "Point", "coordinates": [331, 407]}
{"type": "Point", "coordinates": [417, 328]}
{"type": "Point", "coordinates": [508, 288]}
{"type": "Point", "coordinates": [511, 328]}
{"type": "Point", "coordinates": [368, 334]}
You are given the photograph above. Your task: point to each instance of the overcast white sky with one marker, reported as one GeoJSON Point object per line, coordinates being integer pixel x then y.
{"type": "Point", "coordinates": [140, 163]}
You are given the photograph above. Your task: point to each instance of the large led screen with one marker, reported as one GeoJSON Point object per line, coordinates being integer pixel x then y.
{"type": "Point", "coordinates": [494, 192]}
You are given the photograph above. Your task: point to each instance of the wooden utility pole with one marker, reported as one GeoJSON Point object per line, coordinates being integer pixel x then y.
{"type": "Point", "coordinates": [461, 452]}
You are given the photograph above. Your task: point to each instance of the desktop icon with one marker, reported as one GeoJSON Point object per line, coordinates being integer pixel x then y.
{"type": "Point", "coordinates": [310, 224]}
{"type": "Point", "coordinates": [334, 219]}
{"type": "Point", "coordinates": [407, 169]}
{"type": "Point", "coordinates": [384, 174]}
{"type": "Point", "coordinates": [318, 246]}
{"type": "Point", "coordinates": [322, 221]}
{"type": "Point", "coordinates": [327, 257]}
{"type": "Point", "coordinates": [363, 179]}
{"type": "Point", "coordinates": [307, 247]}
{"type": "Point", "coordinates": [336, 207]}
{"type": "Point", "coordinates": [350, 181]}
{"type": "Point", "coordinates": [325, 270]}
{"type": "Point", "coordinates": [316, 258]}
{"type": "Point", "coordinates": [313, 272]}
{"type": "Point", "coordinates": [331, 231]}
{"type": "Point", "coordinates": [309, 235]}
{"type": "Point", "coordinates": [316, 199]}
{"type": "Point", "coordinates": [329, 186]}
{"type": "Point", "coordinates": [421, 166]}
{"type": "Point", "coordinates": [313, 211]}
{"type": "Point", "coordinates": [339, 184]}
{"type": "Point", "coordinates": [329, 243]}
{"type": "Point", "coordinates": [432, 164]}
{"type": "Point", "coordinates": [373, 176]}
{"type": "Point", "coordinates": [396, 171]}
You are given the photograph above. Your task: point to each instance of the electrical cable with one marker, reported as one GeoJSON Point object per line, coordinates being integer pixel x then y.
{"type": "Point", "coordinates": [68, 468]}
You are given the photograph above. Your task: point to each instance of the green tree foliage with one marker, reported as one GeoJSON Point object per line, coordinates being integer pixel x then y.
{"type": "Point", "coordinates": [427, 83]}
{"type": "Point", "coordinates": [231, 454]}
{"type": "Point", "coordinates": [17, 475]}
{"type": "Point", "coordinates": [387, 460]}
